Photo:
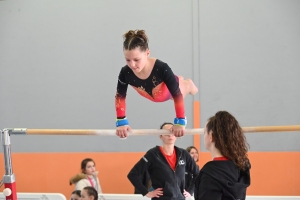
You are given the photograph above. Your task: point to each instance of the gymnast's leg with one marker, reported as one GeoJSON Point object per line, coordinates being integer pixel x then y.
{"type": "Point", "coordinates": [187, 86]}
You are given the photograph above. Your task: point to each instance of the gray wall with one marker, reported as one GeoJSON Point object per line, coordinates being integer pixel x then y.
{"type": "Point", "coordinates": [60, 61]}
{"type": "Point", "coordinates": [250, 66]}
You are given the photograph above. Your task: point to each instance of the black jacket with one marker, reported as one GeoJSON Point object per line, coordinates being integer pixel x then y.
{"type": "Point", "coordinates": [190, 182]}
{"type": "Point", "coordinates": [222, 180]}
{"type": "Point", "coordinates": [145, 178]}
{"type": "Point", "coordinates": [162, 175]}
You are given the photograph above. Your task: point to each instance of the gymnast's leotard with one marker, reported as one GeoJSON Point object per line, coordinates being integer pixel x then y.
{"type": "Point", "coordinates": [160, 86]}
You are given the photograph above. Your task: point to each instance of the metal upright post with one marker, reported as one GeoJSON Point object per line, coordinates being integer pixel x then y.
{"type": "Point", "coordinates": [9, 179]}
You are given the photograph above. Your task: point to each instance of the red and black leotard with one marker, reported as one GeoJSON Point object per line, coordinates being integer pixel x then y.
{"type": "Point", "coordinates": [160, 86]}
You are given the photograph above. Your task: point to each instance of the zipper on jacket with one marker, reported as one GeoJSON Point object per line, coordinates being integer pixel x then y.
{"type": "Point", "coordinates": [176, 168]}
{"type": "Point", "coordinates": [174, 171]}
{"type": "Point", "coordinates": [166, 162]}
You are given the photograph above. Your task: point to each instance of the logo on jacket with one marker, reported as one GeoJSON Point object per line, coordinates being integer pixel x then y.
{"type": "Point", "coordinates": [181, 162]}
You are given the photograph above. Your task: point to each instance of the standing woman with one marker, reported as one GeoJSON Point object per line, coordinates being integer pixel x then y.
{"type": "Point", "coordinates": [193, 151]}
{"type": "Point", "coordinates": [88, 177]}
{"type": "Point", "coordinates": [189, 178]}
{"type": "Point", "coordinates": [166, 166]}
{"type": "Point", "coordinates": [227, 176]}
{"type": "Point", "coordinates": [152, 79]}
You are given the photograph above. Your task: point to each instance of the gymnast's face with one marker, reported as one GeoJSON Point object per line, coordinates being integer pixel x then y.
{"type": "Point", "coordinates": [136, 59]}
{"type": "Point", "coordinates": [168, 139]}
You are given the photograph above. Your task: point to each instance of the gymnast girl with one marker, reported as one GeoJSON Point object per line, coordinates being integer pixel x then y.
{"type": "Point", "coordinates": [152, 79]}
{"type": "Point", "coordinates": [88, 177]}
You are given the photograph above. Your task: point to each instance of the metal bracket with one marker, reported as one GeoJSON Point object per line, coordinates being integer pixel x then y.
{"type": "Point", "coordinates": [9, 178]}
{"type": "Point", "coordinates": [16, 131]}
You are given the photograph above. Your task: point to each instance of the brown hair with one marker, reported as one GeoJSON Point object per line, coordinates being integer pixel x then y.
{"type": "Point", "coordinates": [85, 162]}
{"type": "Point", "coordinates": [190, 148]}
{"type": "Point", "coordinates": [134, 39]}
{"type": "Point", "coordinates": [229, 138]}
{"type": "Point", "coordinates": [165, 123]}
{"type": "Point", "coordinates": [91, 191]}
{"type": "Point", "coordinates": [77, 192]}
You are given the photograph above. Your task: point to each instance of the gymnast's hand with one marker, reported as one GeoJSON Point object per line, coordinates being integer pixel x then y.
{"type": "Point", "coordinates": [155, 193]}
{"type": "Point", "coordinates": [122, 131]}
{"type": "Point", "coordinates": [186, 194]}
{"type": "Point", "coordinates": [177, 130]}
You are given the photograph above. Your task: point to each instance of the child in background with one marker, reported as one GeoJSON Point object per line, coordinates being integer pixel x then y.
{"type": "Point", "coordinates": [89, 193]}
{"type": "Point", "coordinates": [88, 177]}
{"type": "Point", "coordinates": [76, 195]}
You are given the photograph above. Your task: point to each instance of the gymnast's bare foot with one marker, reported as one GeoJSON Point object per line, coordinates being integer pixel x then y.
{"type": "Point", "coordinates": [194, 89]}
{"type": "Point", "coordinates": [187, 86]}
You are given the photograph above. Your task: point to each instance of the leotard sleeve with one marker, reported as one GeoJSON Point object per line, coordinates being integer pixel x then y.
{"type": "Point", "coordinates": [120, 98]}
{"type": "Point", "coordinates": [173, 86]}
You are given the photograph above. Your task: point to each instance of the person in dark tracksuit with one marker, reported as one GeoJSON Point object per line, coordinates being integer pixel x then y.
{"type": "Point", "coordinates": [166, 166]}
{"type": "Point", "coordinates": [145, 178]}
{"type": "Point", "coordinates": [227, 176]}
{"type": "Point", "coordinates": [189, 178]}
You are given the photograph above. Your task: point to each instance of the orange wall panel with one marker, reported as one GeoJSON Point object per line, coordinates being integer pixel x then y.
{"type": "Point", "coordinates": [197, 123]}
{"type": "Point", "coordinates": [272, 173]}
{"type": "Point", "coordinates": [50, 172]}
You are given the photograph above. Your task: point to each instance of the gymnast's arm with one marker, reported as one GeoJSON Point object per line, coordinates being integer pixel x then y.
{"type": "Point", "coordinates": [120, 105]}
{"type": "Point", "coordinates": [173, 87]}
{"type": "Point", "coordinates": [136, 172]}
{"type": "Point", "coordinates": [120, 98]}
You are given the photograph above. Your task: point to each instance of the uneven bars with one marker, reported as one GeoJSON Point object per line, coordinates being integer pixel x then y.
{"type": "Point", "coordinates": [112, 132]}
